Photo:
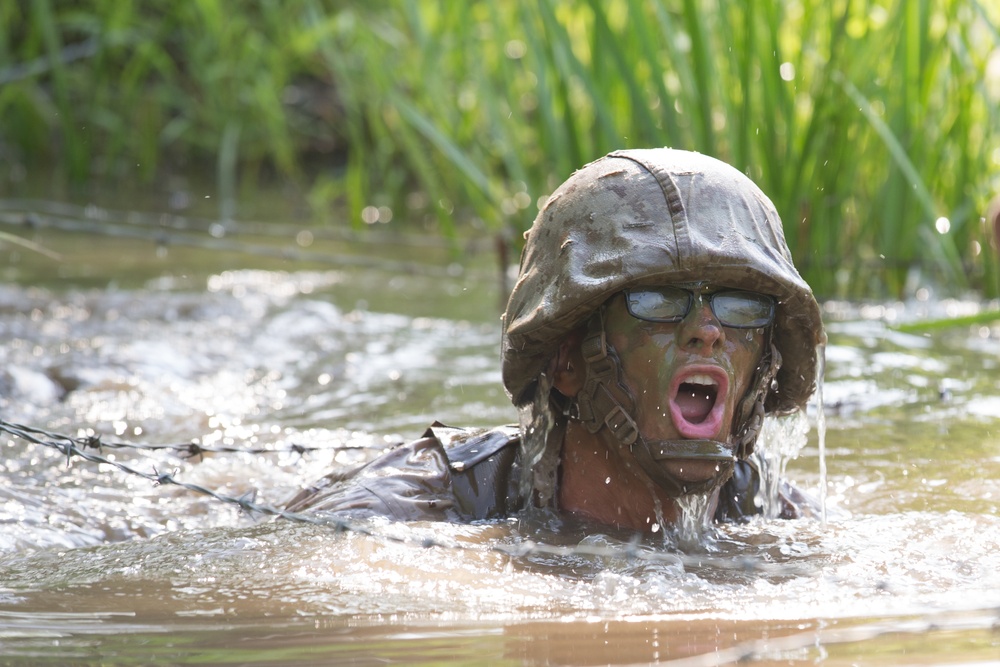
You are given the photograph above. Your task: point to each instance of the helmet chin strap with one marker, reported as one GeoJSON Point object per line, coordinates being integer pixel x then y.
{"type": "Point", "coordinates": [605, 401]}
{"type": "Point", "coordinates": [750, 413]}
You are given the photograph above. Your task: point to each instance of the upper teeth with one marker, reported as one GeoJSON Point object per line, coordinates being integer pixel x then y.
{"type": "Point", "coordinates": [701, 379]}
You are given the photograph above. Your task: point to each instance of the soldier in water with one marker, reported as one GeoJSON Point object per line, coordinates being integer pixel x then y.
{"type": "Point", "coordinates": [656, 320]}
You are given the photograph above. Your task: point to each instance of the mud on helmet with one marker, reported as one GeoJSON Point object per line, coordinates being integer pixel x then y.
{"type": "Point", "coordinates": [656, 217]}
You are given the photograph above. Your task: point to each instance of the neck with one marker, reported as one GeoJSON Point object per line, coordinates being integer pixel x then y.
{"type": "Point", "coordinates": [603, 483]}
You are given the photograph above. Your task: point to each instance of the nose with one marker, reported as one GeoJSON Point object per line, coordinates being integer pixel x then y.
{"type": "Point", "coordinates": [700, 331]}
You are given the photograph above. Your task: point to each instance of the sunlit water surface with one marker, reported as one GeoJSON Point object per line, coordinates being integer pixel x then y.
{"type": "Point", "coordinates": [140, 346]}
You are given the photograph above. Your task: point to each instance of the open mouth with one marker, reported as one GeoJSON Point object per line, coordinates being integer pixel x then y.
{"type": "Point", "coordinates": [697, 401]}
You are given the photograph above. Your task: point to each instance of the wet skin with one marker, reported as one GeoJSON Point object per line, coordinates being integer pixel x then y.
{"type": "Point", "coordinates": [696, 367]}
{"type": "Point", "coordinates": [661, 363]}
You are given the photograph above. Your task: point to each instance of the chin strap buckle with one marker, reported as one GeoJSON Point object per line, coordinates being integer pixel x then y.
{"type": "Point", "coordinates": [602, 401]}
{"type": "Point", "coordinates": [621, 425]}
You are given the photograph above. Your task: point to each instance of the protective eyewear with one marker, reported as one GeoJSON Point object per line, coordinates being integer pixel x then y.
{"type": "Point", "coordinates": [736, 309]}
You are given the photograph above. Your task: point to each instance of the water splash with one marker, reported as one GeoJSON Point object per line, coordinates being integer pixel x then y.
{"type": "Point", "coordinates": [781, 439]}
{"type": "Point", "coordinates": [694, 529]}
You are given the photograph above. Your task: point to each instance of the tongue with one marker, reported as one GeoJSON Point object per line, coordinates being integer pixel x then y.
{"type": "Point", "coordinates": [695, 403]}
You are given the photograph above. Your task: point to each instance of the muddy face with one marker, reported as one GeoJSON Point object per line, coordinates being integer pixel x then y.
{"type": "Point", "coordinates": [687, 378]}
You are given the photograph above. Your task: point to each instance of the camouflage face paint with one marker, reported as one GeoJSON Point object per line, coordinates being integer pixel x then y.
{"type": "Point", "coordinates": [687, 378]}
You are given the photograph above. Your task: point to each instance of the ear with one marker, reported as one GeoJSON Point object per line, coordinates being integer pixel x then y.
{"type": "Point", "coordinates": [568, 369]}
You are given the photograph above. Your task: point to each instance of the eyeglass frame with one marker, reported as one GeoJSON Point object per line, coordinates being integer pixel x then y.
{"type": "Point", "coordinates": [700, 291]}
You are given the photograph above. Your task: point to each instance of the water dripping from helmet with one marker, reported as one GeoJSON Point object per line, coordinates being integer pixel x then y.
{"type": "Point", "coordinates": [821, 426]}
{"type": "Point", "coordinates": [538, 477]}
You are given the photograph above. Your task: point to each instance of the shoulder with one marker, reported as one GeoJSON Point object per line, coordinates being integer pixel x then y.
{"type": "Point", "coordinates": [484, 468]}
{"type": "Point", "coordinates": [408, 482]}
{"type": "Point", "coordinates": [447, 474]}
{"type": "Point", "coordinates": [466, 448]}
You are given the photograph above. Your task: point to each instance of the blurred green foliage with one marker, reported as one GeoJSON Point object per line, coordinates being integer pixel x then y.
{"type": "Point", "coordinates": [874, 125]}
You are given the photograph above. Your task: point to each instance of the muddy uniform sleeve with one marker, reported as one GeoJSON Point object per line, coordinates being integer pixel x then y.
{"type": "Point", "coordinates": [410, 482]}
{"type": "Point", "coordinates": [448, 475]}
{"type": "Point", "coordinates": [485, 469]}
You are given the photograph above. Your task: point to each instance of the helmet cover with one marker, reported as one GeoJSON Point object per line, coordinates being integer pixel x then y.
{"type": "Point", "coordinates": [655, 217]}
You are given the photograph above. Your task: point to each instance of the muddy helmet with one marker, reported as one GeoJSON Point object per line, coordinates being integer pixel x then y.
{"type": "Point", "coordinates": [655, 216]}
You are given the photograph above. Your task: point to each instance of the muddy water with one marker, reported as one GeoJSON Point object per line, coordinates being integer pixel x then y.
{"type": "Point", "coordinates": [146, 345]}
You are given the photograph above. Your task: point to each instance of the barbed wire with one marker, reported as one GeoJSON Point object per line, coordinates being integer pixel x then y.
{"type": "Point", "coordinates": [87, 447]}
{"type": "Point", "coordinates": [190, 450]}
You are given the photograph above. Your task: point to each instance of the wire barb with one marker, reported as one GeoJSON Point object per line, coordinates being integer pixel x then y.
{"type": "Point", "coordinates": [193, 450]}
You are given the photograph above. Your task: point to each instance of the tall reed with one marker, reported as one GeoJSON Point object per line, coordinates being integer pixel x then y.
{"type": "Point", "coordinates": [874, 125]}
